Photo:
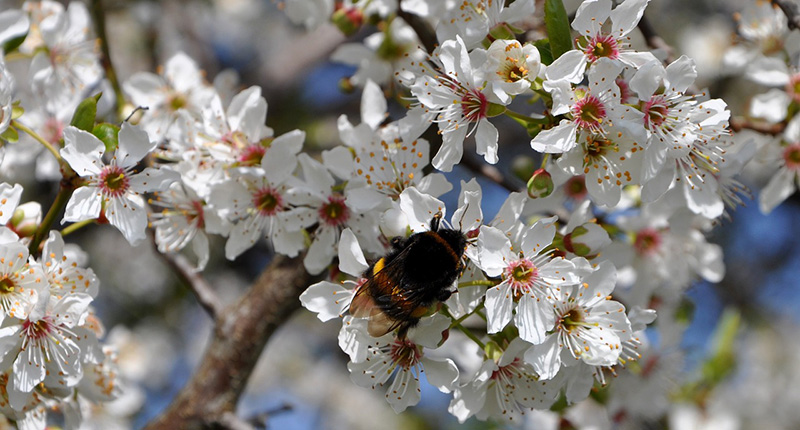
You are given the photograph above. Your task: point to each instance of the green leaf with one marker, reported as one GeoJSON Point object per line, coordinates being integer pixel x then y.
{"type": "Point", "coordinates": [543, 45]}
{"type": "Point", "coordinates": [17, 111]}
{"type": "Point", "coordinates": [557, 23]}
{"type": "Point", "coordinates": [13, 43]}
{"type": "Point", "coordinates": [84, 115]}
{"type": "Point", "coordinates": [108, 134]}
{"type": "Point", "coordinates": [10, 135]}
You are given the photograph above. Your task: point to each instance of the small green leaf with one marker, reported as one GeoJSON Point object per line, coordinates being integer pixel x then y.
{"type": "Point", "coordinates": [543, 45]}
{"type": "Point", "coordinates": [84, 115]}
{"type": "Point", "coordinates": [17, 111]}
{"type": "Point", "coordinates": [108, 134]}
{"type": "Point", "coordinates": [14, 43]}
{"type": "Point", "coordinates": [555, 19]}
{"type": "Point", "coordinates": [10, 135]}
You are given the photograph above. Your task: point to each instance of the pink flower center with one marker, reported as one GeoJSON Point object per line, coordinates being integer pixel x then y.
{"type": "Point", "coordinates": [52, 130]}
{"type": "Point", "coordinates": [793, 87]}
{"type": "Point", "coordinates": [521, 275]}
{"type": "Point", "coordinates": [602, 45]}
{"type": "Point", "coordinates": [791, 156]}
{"type": "Point", "coordinates": [197, 214]}
{"type": "Point", "coordinates": [626, 94]}
{"type": "Point", "coordinates": [405, 353]}
{"type": "Point", "coordinates": [268, 201]}
{"type": "Point", "coordinates": [252, 155]}
{"type": "Point", "coordinates": [506, 372]}
{"type": "Point", "coordinates": [576, 187]}
{"type": "Point", "coordinates": [474, 105]}
{"type": "Point", "coordinates": [38, 329]}
{"type": "Point", "coordinates": [647, 241]}
{"type": "Point", "coordinates": [334, 213]}
{"type": "Point", "coordinates": [589, 113]}
{"type": "Point", "coordinates": [114, 182]}
{"type": "Point", "coordinates": [655, 112]}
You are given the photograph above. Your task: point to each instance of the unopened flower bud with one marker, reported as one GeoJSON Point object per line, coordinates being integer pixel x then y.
{"type": "Point", "coordinates": [26, 219]}
{"type": "Point", "coordinates": [587, 239]}
{"type": "Point", "coordinates": [540, 184]}
{"type": "Point", "coordinates": [348, 20]}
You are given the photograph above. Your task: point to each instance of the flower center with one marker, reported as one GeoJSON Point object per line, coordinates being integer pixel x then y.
{"type": "Point", "coordinates": [572, 320]}
{"type": "Point", "coordinates": [38, 329]}
{"type": "Point", "coordinates": [625, 92]}
{"type": "Point", "coordinates": [791, 156]}
{"type": "Point", "coordinates": [197, 214]}
{"type": "Point", "coordinates": [506, 372]}
{"type": "Point", "coordinates": [602, 45]}
{"type": "Point", "coordinates": [267, 201]}
{"type": "Point", "coordinates": [52, 130]}
{"type": "Point", "coordinates": [647, 241]}
{"type": "Point", "coordinates": [521, 275]}
{"type": "Point", "coordinates": [405, 353]}
{"type": "Point", "coordinates": [596, 149]}
{"type": "Point", "coordinates": [576, 187]}
{"type": "Point", "coordinates": [113, 181]}
{"type": "Point", "coordinates": [655, 112]}
{"type": "Point", "coordinates": [176, 101]}
{"type": "Point", "coordinates": [252, 155]}
{"type": "Point", "coordinates": [513, 69]}
{"type": "Point", "coordinates": [334, 213]}
{"type": "Point", "coordinates": [474, 105]}
{"type": "Point", "coordinates": [589, 113]}
{"type": "Point", "coordinates": [7, 286]}
{"type": "Point", "coordinates": [793, 87]}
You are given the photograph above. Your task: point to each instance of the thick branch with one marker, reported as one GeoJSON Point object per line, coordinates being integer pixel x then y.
{"type": "Point", "coordinates": [791, 8]}
{"type": "Point", "coordinates": [739, 124]}
{"type": "Point", "coordinates": [203, 291]}
{"type": "Point", "coordinates": [241, 332]}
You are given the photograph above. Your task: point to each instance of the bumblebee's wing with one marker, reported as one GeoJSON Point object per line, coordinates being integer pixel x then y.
{"type": "Point", "coordinates": [382, 293]}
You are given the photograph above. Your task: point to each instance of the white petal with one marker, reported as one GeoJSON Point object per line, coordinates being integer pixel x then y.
{"type": "Point", "coordinates": [451, 151]}
{"type": "Point", "coordinates": [351, 258]}
{"type": "Point", "coordinates": [373, 105]}
{"type": "Point", "coordinates": [556, 140]}
{"type": "Point", "coordinates": [153, 179]}
{"type": "Point", "coordinates": [9, 199]}
{"type": "Point", "coordinates": [772, 106]}
{"type": "Point", "coordinates": [339, 160]}
{"type": "Point", "coordinates": [322, 251]}
{"type": "Point", "coordinates": [486, 141]}
{"type": "Point", "coordinates": [545, 358]}
{"type": "Point", "coordinates": [403, 392]}
{"type": "Point", "coordinates": [326, 299]}
{"type": "Point", "coordinates": [499, 303]}
{"type": "Point", "coordinates": [441, 373]}
{"type": "Point", "coordinates": [129, 216]}
{"type": "Point", "coordinates": [779, 188]}
{"type": "Point", "coordinates": [84, 204]}
{"type": "Point", "coordinates": [534, 319]}
{"type": "Point", "coordinates": [625, 16]}
{"type": "Point", "coordinates": [539, 236]}
{"type": "Point", "coordinates": [82, 151]}
{"type": "Point", "coordinates": [419, 208]}
{"type": "Point", "coordinates": [680, 74]}
{"type": "Point", "coordinates": [493, 251]}
{"type": "Point", "coordinates": [248, 112]}
{"type": "Point", "coordinates": [134, 144]}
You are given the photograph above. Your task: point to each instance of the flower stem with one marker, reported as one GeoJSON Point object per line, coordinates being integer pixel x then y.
{"type": "Point", "coordinates": [545, 158]}
{"type": "Point", "coordinates": [99, 15]}
{"type": "Point", "coordinates": [457, 324]}
{"type": "Point", "coordinates": [487, 282]}
{"type": "Point", "coordinates": [76, 226]}
{"type": "Point", "coordinates": [64, 193]}
{"type": "Point", "coordinates": [22, 127]}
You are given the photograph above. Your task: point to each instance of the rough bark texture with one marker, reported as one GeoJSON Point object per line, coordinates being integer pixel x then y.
{"type": "Point", "coordinates": [241, 332]}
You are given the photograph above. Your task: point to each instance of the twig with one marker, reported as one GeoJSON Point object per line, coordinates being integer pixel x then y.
{"type": "Point", "coordinates": [424, 31]}
{"type": "Point", "coordinates": [203, 291]}
{"type": "Point", "coordinates": [240, 334]}
{"type": "Point", "coordinates": [739, 124]}
{"type": "Point", "coordinates": [654, 41]}
{"type": "Point", "coordinates": [489, 171]}
{"type": "Point", "coordinates": [791, 9]}
{"type": "Point", "coordinates": [99, 16]}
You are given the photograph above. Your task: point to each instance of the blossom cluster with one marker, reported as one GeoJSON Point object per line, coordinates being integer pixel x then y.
{"type": "Point", "coordinates": [554, 292]}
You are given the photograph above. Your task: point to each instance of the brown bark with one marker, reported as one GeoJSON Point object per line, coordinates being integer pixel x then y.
{"type": "Point", "coordinates": [241, 332]}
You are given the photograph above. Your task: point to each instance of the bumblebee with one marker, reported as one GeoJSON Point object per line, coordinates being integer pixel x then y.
{"type": "Point", "coordinates": [416, 274]}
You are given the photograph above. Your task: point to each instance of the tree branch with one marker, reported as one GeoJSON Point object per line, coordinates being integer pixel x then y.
{"type": "Point", "coordinates": [203, 291]}
{"type": "Point", "coordinates": [739, 124]}
{"type": "Point", "coordinates": [791, 8]}
{"type": "Point", "coordinates": [241, 332]}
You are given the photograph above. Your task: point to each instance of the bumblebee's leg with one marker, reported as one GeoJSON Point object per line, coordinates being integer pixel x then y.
{"type": "Point", "coordinates": [437, 218]}
{"type": "Point", "coordinates": [444, 295]}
